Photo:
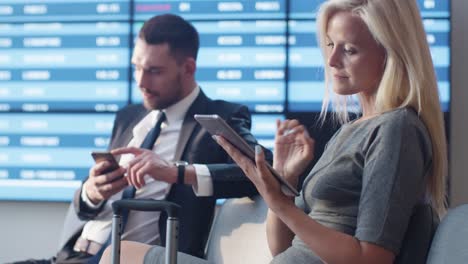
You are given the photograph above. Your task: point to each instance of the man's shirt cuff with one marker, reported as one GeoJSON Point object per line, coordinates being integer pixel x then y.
{"type": "Point", "coordinates": [204, 181]}
{"type": "Point", "coordinates": [87, 201]}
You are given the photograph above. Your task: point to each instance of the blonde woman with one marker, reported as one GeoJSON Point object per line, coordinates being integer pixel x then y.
{"type": "Point", "coordinates": [356, 202]}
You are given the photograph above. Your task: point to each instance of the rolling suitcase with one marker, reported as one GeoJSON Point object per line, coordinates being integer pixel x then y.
{"type": "Point", "coordinates": [172, 224]}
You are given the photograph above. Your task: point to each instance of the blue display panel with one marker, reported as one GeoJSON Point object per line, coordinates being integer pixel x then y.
{"type": "Point", "coordinates": [65, 69]}
{"type": "Point", "coordinates": [45, 156]}
{"type": "Point", "coordinates": [304, 9]}
{"type": "Point", "coordinates": [305, 83]}
{"type": "Point", "coordinates": [212, 9]}
{"type": "Point", "coordinates": [307, 9]}
{"type": "Point", "coordinates": [438, 37]}
{"type": "Point", "coordinates": [434, 8]}
{"type": "Point", "coordinates": [64, 66]}
{"type": "Point", "coordinates": [61, 10]}
{"type": "Point", "coordinates": [264, 129]}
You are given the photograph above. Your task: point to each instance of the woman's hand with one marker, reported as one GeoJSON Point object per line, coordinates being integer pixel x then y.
{"type": "Point", "coordinates": [294, 149]}
{"type": "Point", "coordinates": [258, 172]}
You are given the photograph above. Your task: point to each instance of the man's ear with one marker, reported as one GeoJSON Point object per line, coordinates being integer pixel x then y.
{"type": "Point", "coordinates": [190, 66]}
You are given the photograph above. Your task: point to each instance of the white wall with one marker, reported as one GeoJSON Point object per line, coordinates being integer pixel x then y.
{"type": "Point", "coordinates": [32, 229]}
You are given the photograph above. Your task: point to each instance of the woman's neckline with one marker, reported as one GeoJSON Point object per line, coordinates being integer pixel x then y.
{"type": "Point", "coordinates": [360, 120]}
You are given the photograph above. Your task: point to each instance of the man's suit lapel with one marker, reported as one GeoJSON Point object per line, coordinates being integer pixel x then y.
{"type": "Point", "coordinates": [130, 122]}
{"type": "Point", "coordinates": [189, 124]}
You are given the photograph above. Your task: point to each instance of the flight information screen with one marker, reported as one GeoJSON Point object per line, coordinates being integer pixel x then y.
{"type": "Point", "coordinates": [212, 9]}
{"type": "Point", "coordinates": [307, 9]}
{"type": "Point", "coordinates": [64, 66]}
{"type": "Point", "coordinates": [64, 10]}
{"type": "Point", "coordinates": [65, 70]}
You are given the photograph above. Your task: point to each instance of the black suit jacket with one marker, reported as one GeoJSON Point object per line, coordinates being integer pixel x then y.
{"type": "Point", "coordinates": [195, 145]}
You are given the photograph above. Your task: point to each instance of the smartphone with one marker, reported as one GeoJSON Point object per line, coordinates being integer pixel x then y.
{"type": "Point", "coordinates": [99, 156]}
{"type": "Point", "coordinates": [215, 125]}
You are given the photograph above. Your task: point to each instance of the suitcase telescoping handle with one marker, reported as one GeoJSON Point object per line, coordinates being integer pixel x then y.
{"type": "Point", "coordinates": [172, 211]}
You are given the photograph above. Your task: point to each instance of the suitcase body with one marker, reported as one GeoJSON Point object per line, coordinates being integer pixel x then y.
{"type": "Point", "coordinates": [172, 223]}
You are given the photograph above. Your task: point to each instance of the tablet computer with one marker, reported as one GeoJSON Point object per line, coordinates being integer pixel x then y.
{"type": "Point", "coordinates": [215, 125]}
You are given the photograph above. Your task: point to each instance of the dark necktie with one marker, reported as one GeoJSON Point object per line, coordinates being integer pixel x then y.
{"type": "Point", "coordinates": [129, 192]}
{"type": "Point", "coordinates": [148, 143]}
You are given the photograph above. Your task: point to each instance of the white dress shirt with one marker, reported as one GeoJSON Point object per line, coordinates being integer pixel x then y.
{"type": "Point", "coordinates": [143, 226]}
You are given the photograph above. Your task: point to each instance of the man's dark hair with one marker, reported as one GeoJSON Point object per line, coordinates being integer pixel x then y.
{"type": "Point", "coordinates": [178, 33]}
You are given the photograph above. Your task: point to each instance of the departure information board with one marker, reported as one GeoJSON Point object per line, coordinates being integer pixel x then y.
{"type": "Point", "coordinates": [213, 9]}
{"type": "Point", "coordinates": [64, 66]}
{"type": "Point", "coordinates": [64, 10]}
{"type": "Point", "coordinates": [65, 70]}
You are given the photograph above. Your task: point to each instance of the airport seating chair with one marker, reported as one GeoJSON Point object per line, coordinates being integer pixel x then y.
{"type": "Point", "coordinates": [238, 234]}
{"type": "Point", "coordinates": [450, 243]}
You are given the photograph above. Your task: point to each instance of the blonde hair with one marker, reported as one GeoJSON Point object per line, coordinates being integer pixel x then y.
{"type": "Point", "coordinates": [408, 79]}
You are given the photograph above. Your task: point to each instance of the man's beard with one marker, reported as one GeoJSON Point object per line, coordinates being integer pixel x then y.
{"type": "Point", "coordinates": [164, 103]}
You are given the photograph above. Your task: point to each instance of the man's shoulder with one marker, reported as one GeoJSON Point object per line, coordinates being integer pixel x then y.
{"type": "Point", "coordinates": [130, 113]}
{"type": "Point", "coordinates": [225, 107]}
{"type": "Point", "coordinates": [132, 108]}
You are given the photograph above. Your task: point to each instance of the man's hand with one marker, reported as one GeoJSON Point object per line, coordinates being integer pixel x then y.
{"type": "Point", "coordinates": [146, 162]}
{"type": "Point", "coordinates": [100, 186]}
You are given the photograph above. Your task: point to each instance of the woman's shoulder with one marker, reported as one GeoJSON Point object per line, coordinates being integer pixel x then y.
{"type": "Point", "coordinates": [395, 123]}
{"type": "Point", "coordinates": [388, 120]}
{"type": "Point", "coordinates": [400, 124]}
{"type": "Point", "coordinates": [400, 117]}
{"type": "Point", "coordinates": [404, 123]}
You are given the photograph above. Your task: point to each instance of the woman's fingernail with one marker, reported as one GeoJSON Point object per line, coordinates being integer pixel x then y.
{"type": "Point", "coordinates": [215, 137]}
{"type": "Point", "coordinates": [288, 131]}
{"type": "Point", "coordinates": [258, 149]}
